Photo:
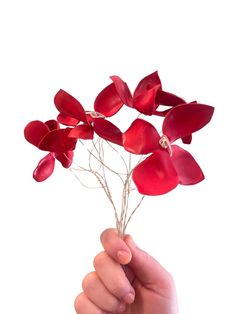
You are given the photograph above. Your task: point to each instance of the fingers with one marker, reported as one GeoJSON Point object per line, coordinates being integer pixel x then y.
{"type": "Point", "coordinates": [84, 306]}
{"type": "Point", "coordinates": [113, 277]}
{"type": "Point", "coordinates": [96, 292]}
{"type": "Point", "coordinates": [115, 246]}
{"type": "Point", "coordinates": [105, 290]}
{"type": "Point", "coordinates": [148, 270]}
{"type": "Point", "coordinates": [140, 264]}
{"type": "Point", "coordinates": [117, 249]}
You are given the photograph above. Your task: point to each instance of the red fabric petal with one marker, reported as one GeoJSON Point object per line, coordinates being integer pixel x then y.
{"type": "Point", "coordinates": [65, 159]}
{"type": "Point", "coordinates": [52, 125]}
{"type": "Point", "coordinates": [141, 137]}
{"type": "Point", "coordinates": [45, 168]}
{"type": "Point", "coordinates": [57, 141]}
{"type": "Point", "coordinates": [147, 83]}
{"type": "Point", "coordinates": [122, 90]}
{"type": "Point", "coordinates": [161, 113]}
{"type": "Point", "coordinates": [145, 102]}
{"type": "Point", "coordinates": [187, 168]}
{"type": "Point", "coordinates": [66, 120]}
{"type": "Point", "coordinates": [186, 119]}
{"type": "Point", "coordinates": [155, 175]}
{"type": "Point", "coordinates": [108, 131]}
{"type": "Point", "coordinates": [83, 131]}
{"type": "Point", "coordinates": [168, 99]}
{"type": "Point", "coordinates": [108, 101]}
{"type": "Point", "coordinates": [35, 131]}
{"type": "Point", "coordinates": [69, 106]}
{"type": "Point", "coordinates": [187, 139]}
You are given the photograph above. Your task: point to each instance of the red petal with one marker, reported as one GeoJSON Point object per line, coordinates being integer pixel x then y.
{"type": "Point", "coordinates": [187, 139]}
{"type": "Point", "coordinates": [155, 175]}
{"type": "Point", "coordinates": [83, 131]}
{"type": "Point", "coordinates": [52, 125]}
{"type": "Point", "coordinates": [141, 137]}
{"type": "Point", "coordinates": [168, 99]}
{"type": "Point", "coordinates": [66, 120]}
{"type": "Point", "coordinates": [108, 131]}
{"type": "Point", "coordinates": [69, 106]}
{"type": "Point", "coordinates": [65, 159]}
{"type": "Point", "coordinates": [145, 102]}
{"type": "Point", "coordinates": [57, 141]}
{"type": "Point", "coordinates": [161, 113]}
{"type": "Point", "coordinates": [186, 119]}
{"type": "Point", "coordinates": [108, 101]}
{"type": "Point", "coordinates": [122, 90]}
{"type": "Point", "coordinates": [35, 131]}
{"type": "Point", "coordinates": [147, 83]}
{"type": "Point", "coordinates": [45, 168]}
{"type": "Point", "coordinates": [187, 168]}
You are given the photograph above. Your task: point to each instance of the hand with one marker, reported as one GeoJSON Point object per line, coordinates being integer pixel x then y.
{"type": "Point", "coordinates": [142, 286]}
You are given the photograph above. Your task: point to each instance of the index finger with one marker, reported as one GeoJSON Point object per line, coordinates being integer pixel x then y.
{"type": "Point", "coordinates": [115, 246]}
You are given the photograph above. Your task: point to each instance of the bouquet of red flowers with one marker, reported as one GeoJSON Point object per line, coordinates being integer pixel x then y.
{"type": "Point", "coordinates": [160, 165]}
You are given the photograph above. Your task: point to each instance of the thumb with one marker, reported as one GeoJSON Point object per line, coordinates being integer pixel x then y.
{"type": "Point", "coordinates": [146, 268]}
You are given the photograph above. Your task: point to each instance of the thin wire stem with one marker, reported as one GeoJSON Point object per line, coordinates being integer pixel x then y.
{"type": "Point", "coordinates": [97, 153]}
{"type": "Point", "coordinates": [81, 182]}
{"type": "Point", "coordinates": [122, 158]}
{"type": "Point", "coordinates": [131, 215]}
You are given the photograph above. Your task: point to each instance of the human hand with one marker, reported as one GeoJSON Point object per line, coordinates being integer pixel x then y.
{"type": "Point", "coordinates": [126, 280]}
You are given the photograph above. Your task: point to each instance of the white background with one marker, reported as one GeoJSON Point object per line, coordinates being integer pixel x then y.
{"type": "Point", "coordinates": [49, 232]}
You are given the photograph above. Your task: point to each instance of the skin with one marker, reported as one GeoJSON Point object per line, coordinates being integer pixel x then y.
{"type": "Point", "coordinates": [126, 280]}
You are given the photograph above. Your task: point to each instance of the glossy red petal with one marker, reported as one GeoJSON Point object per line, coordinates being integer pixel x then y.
{"type": "Point", "coordinates": [155, 175]}
{"type": "Point", "coordinates": [58, 141]}
{"type": "Point", "coordinates": [186, 119]}
{"type": "Point", "coordinates": [147, 83]}
{"type": "Point", "coordinates": [122, 90]}
{"type": "Point", "coordinates": [168, 99]}
{"type": "Point", "coordinates": [66, 120]}
{"type": "Point", "coordinates": [145, 102]}
{"type": "Point", "coordinates": [141, 138]}
{"type": "Point", "coordinates": [161, 113]}
{"type": "Point", "coordinates": [187, 139]}
{"type": "Point", "coordinates": [65, 159]}
{"type": "Point", "coordinates": [107, 130]}
{"type": "Point", "coordinates": [45, 168]}
{"type": "Point", "coordinates": [108, 101]}
{"type": "Point", "coordinates": [52, 124]}
{"type": "Point", "coordinates": [186, 167]}
{"type": "Point", "coordinates": [69, 106]}
{"type": "Point", "coordinates": [83, 131]}
{"type": "Point", "coordinates": [35, 131]}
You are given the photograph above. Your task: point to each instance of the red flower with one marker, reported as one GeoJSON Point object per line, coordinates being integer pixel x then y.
{"type": "Point", "coordinates": [72, 113]}
{"type": "Point", "coordinates": [147, 96]}
{"type": "Point", "coordinates": [168, 165]}
{"type": "Point", "coordinates": [49, 137]}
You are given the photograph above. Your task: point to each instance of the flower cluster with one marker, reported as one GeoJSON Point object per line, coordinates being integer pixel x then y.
{"type": "Point", "coordinates": [164, 166]}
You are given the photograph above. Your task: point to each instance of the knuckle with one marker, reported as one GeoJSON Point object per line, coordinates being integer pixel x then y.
{"type": "Point", "coordinates": [88, 280]}
{"type": "Point", "coordinates": [119, 289]}
{"type": "Point", "coordinates": [106, 234]}
{"type": "Point", "coordinates": [170, 281]}
{"type": "Point", "coordinates": [99, 259]}
{"type": "Point", "coordinates": [78, 303]}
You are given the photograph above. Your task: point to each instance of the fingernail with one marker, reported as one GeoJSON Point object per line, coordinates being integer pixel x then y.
{"type": "Point", "coordinates": [124, 257]}
{"type": "Point", "coordinates": [129, 298]}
